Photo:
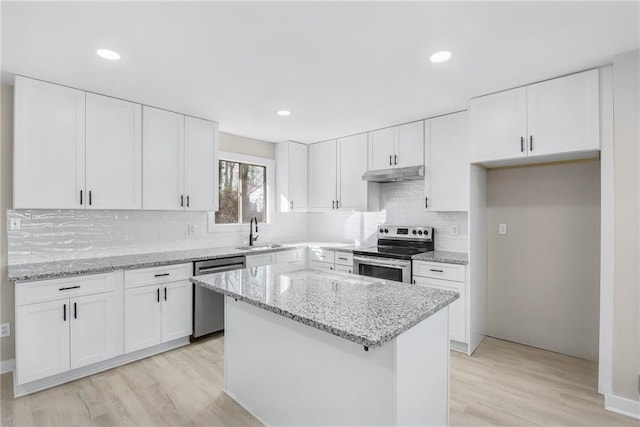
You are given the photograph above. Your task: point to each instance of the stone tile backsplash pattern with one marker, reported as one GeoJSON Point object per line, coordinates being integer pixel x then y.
{"type": "Point", "coordinates": [62, 234]}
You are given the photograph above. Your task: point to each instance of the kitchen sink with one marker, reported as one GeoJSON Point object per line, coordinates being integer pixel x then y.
{"type": "Point", "coordinates": [259, 247]}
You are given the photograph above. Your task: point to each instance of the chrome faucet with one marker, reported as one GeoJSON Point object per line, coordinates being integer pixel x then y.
{"type": "Point", "coordinates": [253, 238]}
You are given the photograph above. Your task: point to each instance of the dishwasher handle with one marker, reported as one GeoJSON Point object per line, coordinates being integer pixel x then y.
{"type": "Point", "coordinates": [219, 265]}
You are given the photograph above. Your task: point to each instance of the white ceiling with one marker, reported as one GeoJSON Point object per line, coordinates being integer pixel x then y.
{"type": "Point", "coordinates": [341, 68]}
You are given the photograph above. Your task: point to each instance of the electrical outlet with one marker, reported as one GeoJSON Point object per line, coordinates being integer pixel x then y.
{"type": "Point", "coordinates": [15, 224]}
{"type": "Point", "coordinates": [502, 229]}
{"type": "Point", "coordinates": [4, 330]}
{"type": "Point", "coordinates": [455, 230]}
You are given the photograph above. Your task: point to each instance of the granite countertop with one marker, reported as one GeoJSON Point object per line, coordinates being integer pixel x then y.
{"type": "Point", "coordinates": [444, 257]}
{"type": "Point", "coordinates": [361, 309]}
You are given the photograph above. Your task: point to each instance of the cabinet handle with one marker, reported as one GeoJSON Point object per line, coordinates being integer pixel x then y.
{"type": "Point", "coordinates": [187, 201]}
{"type": "Point", "coordinates": [414, 281]}
{"type": "Point", "coordinates": [75, 310]}
{"type": "Point", "coordinates": [333, 204]}
{"type": "Point", "coordinates": [89, 197]}
{"type": "Point", "coordinates": [80, 197]}
{"type": "Point", "coordinates": [182, 200]}
{"type": "Point", "coordinates": [158, 294]}
{"type": "Point", "coordinates": [337, 204]}
{"type": "Point", "coordinates": [395, 159]}
{"type": "Point", "coordinates": [162, 275]}
{"type": "Point", "coordinates": [530, 142]}
{"type": "Point", "coordinates": [292, 205]}
{"type": "Point", "coordinates": [426, 202]}
{"type": "Point", "coordinates": [390, 164]}
{"type": "Point", "coordinates": [69, 287]}
{"type": "Point", "coordinates": [165, 294]}
{"type": "Point", "coordinates": [64, 313]}
{"type": "Point", "coordinates": [522, 144]}
{"type": "Point", "coordinates": [437, 271]}
{"type": "Point", "coordinates": [342, 259]}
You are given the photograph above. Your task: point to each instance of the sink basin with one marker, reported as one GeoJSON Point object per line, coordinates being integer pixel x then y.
{"type": "Point", "coordinates": [259, 247]}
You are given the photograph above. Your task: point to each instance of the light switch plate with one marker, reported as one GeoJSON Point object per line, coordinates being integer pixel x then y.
{"type": "Point", "coordinates": [4, 330]}
{"type": "Point", "coordinates": [455, 230]}
{"type": "Point", "coordinates": [502, 229]}
{"type": "Point", "coordinates": [15, 224]}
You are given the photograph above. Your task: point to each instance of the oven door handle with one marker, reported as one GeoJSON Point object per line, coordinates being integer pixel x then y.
{"type": "Point", "coordinates": [380, 262]}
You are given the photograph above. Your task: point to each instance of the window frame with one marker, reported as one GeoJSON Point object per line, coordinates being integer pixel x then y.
{"type": "Point", "coordinates": [270, 164]}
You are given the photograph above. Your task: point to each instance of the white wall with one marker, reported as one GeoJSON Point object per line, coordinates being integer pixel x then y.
{"type": "Point", "coordinates": [544, 275]}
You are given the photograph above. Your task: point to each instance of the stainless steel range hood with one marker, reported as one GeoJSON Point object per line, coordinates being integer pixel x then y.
{"type": "Point", "coordinates": [411, 173]}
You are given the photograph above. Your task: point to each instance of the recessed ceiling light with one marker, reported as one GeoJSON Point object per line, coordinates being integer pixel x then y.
{"type": "Point", "coordinates": [441, 56]}
{"type": "Point", "coordinates": [284, 113]}
{"type": "Point", "coordinates": [108, 54]}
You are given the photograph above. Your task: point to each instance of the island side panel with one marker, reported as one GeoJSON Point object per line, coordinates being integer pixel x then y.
{"type": "Point", "coordinates": [285, 372]}
{"type": "Point", "coordinates": [422, 372]}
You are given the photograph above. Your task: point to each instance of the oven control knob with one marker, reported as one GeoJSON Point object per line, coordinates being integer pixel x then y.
{"type": "Point", "coordinates": [386, 230]}
{"type": "Point", "coordinates": [414, 232]}
{"type": "Point", "coordinates": [420, 232]}
{"type": "Point", "coordinates": [381, 230]}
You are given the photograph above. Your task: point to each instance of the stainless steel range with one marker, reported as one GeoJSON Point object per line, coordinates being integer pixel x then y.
{"type": "Point", "coordinates": [391, 258]}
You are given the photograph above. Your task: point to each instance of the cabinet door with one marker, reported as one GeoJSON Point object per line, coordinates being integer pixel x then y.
{"type": "Point", "coordinates": [113, 153]}
{"type": "Point", "coordinates": [409, 144]}
{"type": "Point", "coordinates": [322, 176]}
{"type": "Point", "coordinates": [259, 260]}
{"type": "Point", "coordinates": [297, 176]}
{"type": "Point", "coordinates": [321, 265]}
{"type": "Point", "coordinates": [352, 161]}
{"type": "Point", "coordinates": [381, 149]}
{"type": "Point", "coordinates": [201, 167]}
{"type": "Point", "coordinates": [344, 268]}
{"type": "Point", "coordinates": [48, 146]}
{"type": "Point", "coordinates": [176, 310]}
{"type": "Point", "coordinates": [42, 340]}
{"type": "Point", "coordinates": [94, 332]}
{"type": "Point", "coordinates": [499, 125]}
{"type": "Point", "coordinates": [162, 159]}
{"type": "Point", "coordinates": [563, 114]}
{"type": "Point", "coordinates": [142, 318]}
{"type": "Point", "coordinates": [447, 163]}
{"type": "Point", "coordinates": [457, 309]}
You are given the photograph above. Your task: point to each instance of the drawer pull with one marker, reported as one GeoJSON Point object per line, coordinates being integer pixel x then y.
{"type": "Point", "coordinates": [437, 271]}
{"type": "Point", "coordinates": [342, 259]}
{"type": "Point", "coordinates": [69, 287]}
{"type": "Point", "coordinates": [161, 275]}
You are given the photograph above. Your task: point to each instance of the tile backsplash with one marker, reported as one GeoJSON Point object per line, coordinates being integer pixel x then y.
{"type": "Point", "coordinates": [62, 234]}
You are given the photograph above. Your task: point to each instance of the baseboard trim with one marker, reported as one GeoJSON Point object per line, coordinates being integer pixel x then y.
{"type": "Point", "coordinates": [621, 405]}
{"type": "Point", "coordinates": [85, 371]}
{"type": "Point", "coordinates": [7, 365]}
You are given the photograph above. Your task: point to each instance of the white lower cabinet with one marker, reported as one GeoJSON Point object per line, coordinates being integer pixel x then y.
{"type": "Point", "coordinates": [67, 330]}
{"type": "Point", "coordinates": [156, 312]}
{"type": "Point", "coordinates": [321, 265]}
{"type": "Point", "coordinates": [258, 260]}
{"type": "Point", "coordinates": [450, 277]}
{"type": "Point", "coordinates": [331, 260]}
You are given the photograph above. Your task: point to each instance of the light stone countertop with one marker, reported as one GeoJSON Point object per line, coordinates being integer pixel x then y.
{"type": "Point", "coordinates": [102, 264]}
{"type": "Point", "coordinates": [365, 310]}
{"type": "Point", "coordinates": [444, 257]}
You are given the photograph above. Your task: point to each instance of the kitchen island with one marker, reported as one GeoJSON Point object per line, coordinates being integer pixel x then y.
{"type": "Point", "coordinates": [312, 347]}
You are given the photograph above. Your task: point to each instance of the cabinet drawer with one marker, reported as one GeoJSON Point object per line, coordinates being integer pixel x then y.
{"type": "Point", "coordinates": [439, 270]}
{"type": "Point", "coordinates": [157, 275]}
{"type": "Point", "coordinates": [344, 258]}
{"type": "Point", "coordinates": [344, 268]}
{"type": "Point", "coordinates": [54, 289]}
{"type": "Point", "coordinates": [321, 255]}
{"type": "Point", "coordinates": [287, 257]}
{"type": "Point", "coordinates": [321, 265]}
{"type": "Point", "coordinates": [258, 260]}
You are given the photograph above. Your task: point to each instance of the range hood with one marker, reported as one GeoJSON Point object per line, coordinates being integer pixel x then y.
{"type": "Point", "coordinates": [411, 173]}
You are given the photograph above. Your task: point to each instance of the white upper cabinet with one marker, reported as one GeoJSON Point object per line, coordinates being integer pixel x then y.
{"type": "Point", "coordinates": [409, 144]}
{"type": "Point", "coordinates": [322, 176]}
{"type": "Point", "coordinates": [291, 177]}
{"type": "Point", "coordinates": [49, 146]}
{"type": "Point", "coordinates": [163, 159]}
{"type": "Point", "coordinates": [563, 114]}
{"type": "Point", "coordinates": [447, 163]}
{"type": "Point", "coordinates": [398, 146]}
{"type": "Point", "coordinates": [113, 153]}
{"type": "Point", "coordinates": [381, 148]}
{"type": "Point", "coordinates": [201, 155]}
{"type": "Point", "coordinates": [499, 125]}
{"type": "Point", "coordinates": [553, 120]}
{"type": "Point", "coordinates": [352, 164]}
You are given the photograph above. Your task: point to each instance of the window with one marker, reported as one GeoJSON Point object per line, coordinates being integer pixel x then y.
{"type": "Point", "coordinates": [242, 192]}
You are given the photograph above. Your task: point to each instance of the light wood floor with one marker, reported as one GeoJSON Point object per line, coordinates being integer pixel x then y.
{"type": "Point", "coordinates": [502, 384]}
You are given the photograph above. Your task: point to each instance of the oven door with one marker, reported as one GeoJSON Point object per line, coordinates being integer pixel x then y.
{"type": "Point", "coordinates": [383, 268]}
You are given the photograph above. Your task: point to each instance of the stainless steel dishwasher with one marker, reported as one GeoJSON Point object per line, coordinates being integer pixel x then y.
{"type": "Point", "coordinates": [208, 306]}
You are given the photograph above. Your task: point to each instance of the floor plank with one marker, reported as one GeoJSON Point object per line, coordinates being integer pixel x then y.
{"type": "Point", "coordinates": [503, 383]}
